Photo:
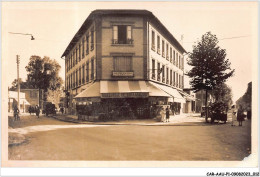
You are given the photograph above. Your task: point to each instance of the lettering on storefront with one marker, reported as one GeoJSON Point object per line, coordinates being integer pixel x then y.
{"type": "Point", "coordinates": [125, 95]}
{"type": "Point", "coordinates": [123, 74]}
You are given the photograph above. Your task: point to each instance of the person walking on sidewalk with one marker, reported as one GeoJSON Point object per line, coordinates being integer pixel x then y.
{"type": "Point", "coordinates": [37, 111]}
{"type": "Point", "coordinates": [167, 114]}
{"type": "Point", "coordinates": [16, 113]}
{"type": "Point", "coordinates": [234, 113]}
{"type": "Point", "coordinates": [240, 115]}
{"type": "Point", "coordinates": [162, 112]}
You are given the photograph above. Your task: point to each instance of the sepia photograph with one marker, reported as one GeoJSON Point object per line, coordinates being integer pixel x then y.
{"type": "Point", "coordinates": [130, 84]}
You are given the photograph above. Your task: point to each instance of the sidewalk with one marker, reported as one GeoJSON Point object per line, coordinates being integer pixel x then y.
{"type": "Point", "coordinates": [176, 119]}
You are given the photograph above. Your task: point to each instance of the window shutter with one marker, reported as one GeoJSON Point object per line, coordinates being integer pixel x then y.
{"type": "Point", "coordinates": [115, 32]}
{"type": "Point", "coordinates": [129, 32]}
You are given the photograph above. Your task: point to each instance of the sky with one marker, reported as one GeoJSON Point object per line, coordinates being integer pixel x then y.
{"type": "Point", "coordinates": [53, 24]}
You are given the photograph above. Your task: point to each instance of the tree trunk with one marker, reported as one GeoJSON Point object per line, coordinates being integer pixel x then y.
{"type": "Point", "coordinates": [206, 106]}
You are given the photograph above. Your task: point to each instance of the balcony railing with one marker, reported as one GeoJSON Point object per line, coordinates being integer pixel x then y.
{"type": "Point", "coordinates": [163, 79]}
{"type": "Point", "coordinates": [153, 47]}
{"type": "Point", "coordinates": [128, 41]}
{"type": "Point", "coordinates": [158, 51]}
{"type": "Point", "coordinates": [158, 77]}
{"type": "Point", "coordinates": [153, 76]}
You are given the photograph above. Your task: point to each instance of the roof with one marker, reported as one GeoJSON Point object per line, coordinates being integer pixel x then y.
{"type": "Point", "coordinates": [120, 12]}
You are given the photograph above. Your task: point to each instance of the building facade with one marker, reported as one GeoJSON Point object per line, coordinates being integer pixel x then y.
{"type": "Point", "coordinates": [123, 58]}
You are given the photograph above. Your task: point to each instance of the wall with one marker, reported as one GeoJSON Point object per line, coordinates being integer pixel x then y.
{"type": "Point", "coordinates": [135, 49]}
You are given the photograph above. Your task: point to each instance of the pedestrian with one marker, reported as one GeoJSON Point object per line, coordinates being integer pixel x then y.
{"type": "Point", "coordinates": [240, 115]}
{"type": "Point", "coordinates": [234, 113]}
{"type": "Point", "coordinates": [16, 113]}
{"type": "Point", "coordinates": [30, 110]}
{"type": "Point", "coordinates": [167, 114]}
{"type": "Point", "coordinates": [162, 112]}
{"type": "Point", "coordinates": [248, 113]}
{"type": "Point", "coordinates": [37, 111]}
{"type": "Point", "coordinates": [61, 110]}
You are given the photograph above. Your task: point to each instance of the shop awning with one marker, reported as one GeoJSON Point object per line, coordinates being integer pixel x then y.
{"type": "Point", "coordinates": [22, 101]}
{"type": "Point", "coordinates": [154, 90]}
{"type": "Point", "coordinates": [171, 91]}
{"type": "Point", "coordinates": [92, 90]}
{"type": "Point", "coordinates": [187, 96]}
{"type": "Point", "coordinates": [123, 89]}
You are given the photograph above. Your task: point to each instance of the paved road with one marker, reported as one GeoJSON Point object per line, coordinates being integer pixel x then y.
{"type": "Point", "coordinates": [50, 139]}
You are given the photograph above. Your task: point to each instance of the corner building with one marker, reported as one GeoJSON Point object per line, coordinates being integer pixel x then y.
{"type": "Point", "coordinates": [124, 61]}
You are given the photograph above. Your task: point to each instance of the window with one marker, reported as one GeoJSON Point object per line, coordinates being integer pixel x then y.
{"type": "Point", "coordinates": [177, 80]}
{"type": "Point", "coordinates": [180, 81]}
{"type": "Point", "coordinates": [76, 77]}
{"type": "Point", "coordinates": [167, 51]}
{"type": "Point", "coordinates": [83, 47]}
{"type": "Point", "coordinates": [170, 54]}
{"type": "Point", "coordinates": [92, 40]}
{"type": "Point", "coordinates": [79, 52]}
{"type": "Point", "coordinates": [87, 44]}
{"type": "Point", "coordinates": [167, 75]}
{"type": "Point", "coordinates": [182, 63]}
{"type": "Point", "coordinates": [123, 63]}
{"type": "Point", "coordinates": [153, 40]}
{"type": "Point", "coordinates": [177, 57]}
{"type": "Point", "coordinates": [92, 69]}
{"type": "Point", "coordinates": [71, 81]}
{"type": "Point", "coordinates": [163, 73]}
{"type": "Point", "coordinates": [153, 69]}
{"type": "Point", "coordinates": [87, 72]}
{"type": "Point", "coordinates": [170, 77]}
{"type": "Point", "coordinates": [173, 77]}
{"type": "Point", "coordinates": [158, 72]}
{"type": "Point", "coordinates": [79, 75]}
{"type": "Point", "coordinates": [163, 52]}
{"type": "Point", "coordinates": [174, 57]}
{"type": "Point", "coordinates": [122, 34]}
{"type": "Point", "coordinates": [179, 61]}
{"type": "Point", "coordinates": [71, 58]}
{"type": "Point", "coordinates": [83, 74]}
{"type": "Point", "coordinates": [158, 45]}
{"type": "Point", "coordinates": [76, 56]}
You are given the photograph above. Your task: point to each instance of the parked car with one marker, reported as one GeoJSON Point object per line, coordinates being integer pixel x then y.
{"type": "Point", "coordinates": [219, 112]}
{"type": "Point", "coordinates": [49, 108]}
{"type": "Point", "coordinates": [203, 111]}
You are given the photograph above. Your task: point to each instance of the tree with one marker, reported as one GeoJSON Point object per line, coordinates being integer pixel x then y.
{"type": "Point", "coordinates": [223, 94]}
{"type": "Point", "coordinates": [209, 65]}
{"type": "Point", "coordinates": [246, 100]}
{"type": "Point", "coordinates": [23, 85]}
{"type": "Point", "coordinates": [43, 73]}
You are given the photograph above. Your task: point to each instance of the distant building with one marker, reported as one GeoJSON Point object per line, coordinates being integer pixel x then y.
{"type": "Point", "coordinates": [190, 105]}
{"type": "Point", "coordinates": [200, 99]}
{"type": "Point", "coordinates": [124, 58]}
{"type": "Point", "coordinates": [32, 95]}
{"type": "Point", "coordinates": [13, 100]}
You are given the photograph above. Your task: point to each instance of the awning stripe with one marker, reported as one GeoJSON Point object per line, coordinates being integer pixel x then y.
{"type": "Point", "coordinates": [134, 86]}
{"type": "Point", "coordinates": [123, 86]}
{"type": "Point", "coordinates": [112, 87]}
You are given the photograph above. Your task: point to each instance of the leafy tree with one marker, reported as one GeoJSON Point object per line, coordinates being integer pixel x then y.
{"type": "Point", "coordinates": [209, 65]}
{"type": "Point", "coordinates": [23, 85]}
{"type": "Point", "coordinates": [246, 100]}
{"type": "Point", "coordinates": [43, 73]}
{"type": "Point", "coordinates": [223, 95]}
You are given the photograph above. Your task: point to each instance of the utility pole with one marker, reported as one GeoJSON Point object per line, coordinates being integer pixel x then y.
{"type": "Point", "coordinates": [18, 82]}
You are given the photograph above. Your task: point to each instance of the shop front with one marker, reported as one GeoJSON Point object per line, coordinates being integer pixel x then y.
{"type": "Point", "coordinates": [113, 100]}
{"type": "Point", "coordinates": [176, 102]}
